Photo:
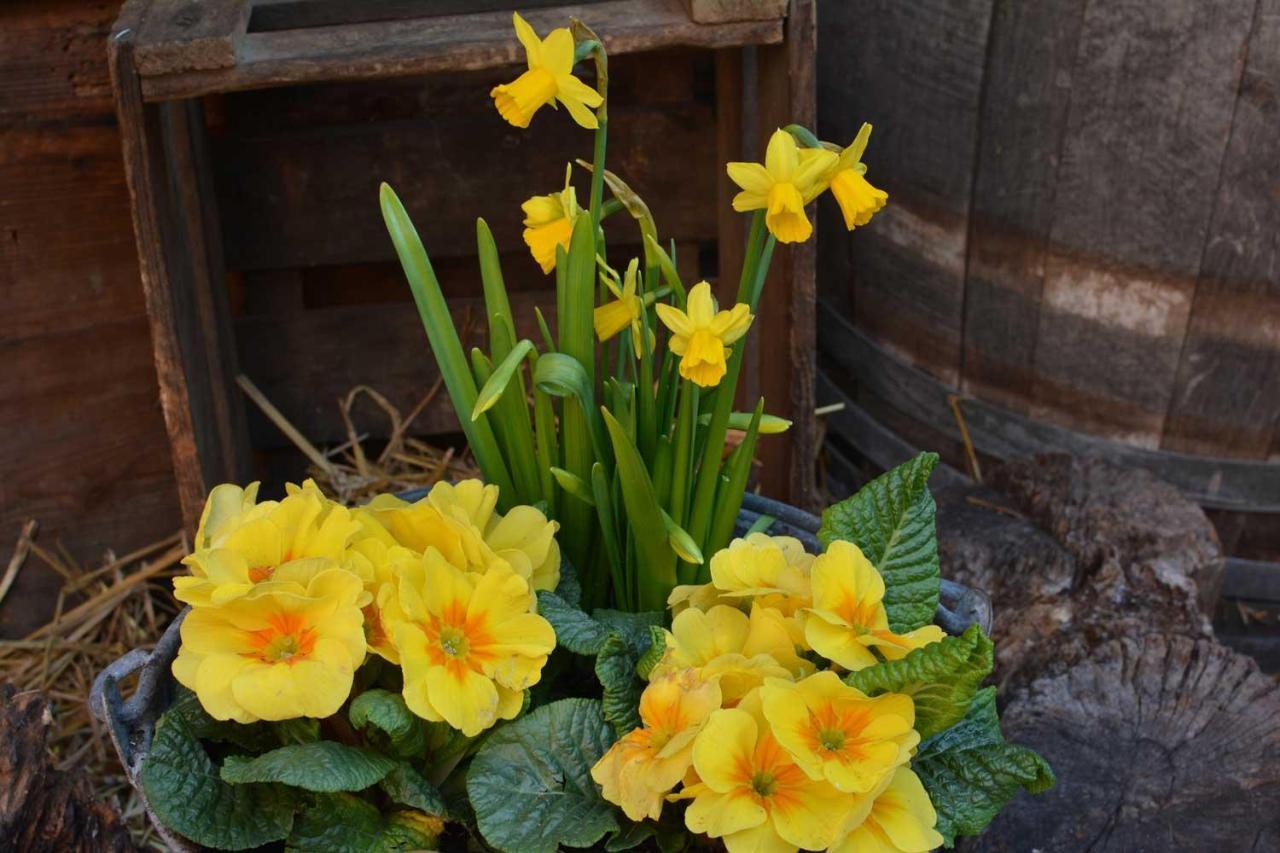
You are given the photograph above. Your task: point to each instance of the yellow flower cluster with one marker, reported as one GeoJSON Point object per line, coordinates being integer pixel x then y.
{"type": "Point", "coordinates": [746, 716]}
{"type": "Point", "coordinates": [288, 597]}
{"type": "Point", "coordinates": [791, 177]}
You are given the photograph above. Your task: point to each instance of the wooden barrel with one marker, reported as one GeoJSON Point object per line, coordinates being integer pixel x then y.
{"type": "Point", "coordinates": [1084, 219]}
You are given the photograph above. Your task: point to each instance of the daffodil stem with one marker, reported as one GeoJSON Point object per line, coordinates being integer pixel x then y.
{"type": "Point", "coordinates": [755, 268]}
{"type": "Point", "coordinates": [597, 172]}
{"type": "Point", "coordinates": [683, 450]}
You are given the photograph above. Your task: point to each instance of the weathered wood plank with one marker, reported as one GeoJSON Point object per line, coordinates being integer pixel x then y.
{"type": "Point", "coordinates": [1227, 395]}
{"type": "Point", "coordinates": [785, 316]}
{"type": "Point", "coordinates": [725, 11]}
{"type": "Point", "coordinates": [1026, 94]}
{"type": "Point", "coordinates": [51, 68]}
{"type": "Point", "coordinates": [454, 43]}
{"type": "Point", "coordinates": [914, 70]}
{"type": "Point", "coordinates": [290, 197]}
{"type": "Point", "coordinates": [1145, 134]}
{"type": "Point", "coordinates": [299, 14]}
{"type": "Point", "coordinates": [922, 401]}
{"type": "Point", "coordinates": [190, 35]}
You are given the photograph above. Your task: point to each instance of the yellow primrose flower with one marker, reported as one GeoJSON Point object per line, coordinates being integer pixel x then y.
{"type": "Point", "coordinates": [548, 80]}
{"type": "Point", "coordinates": [848, 618]}
{"type": "Point", "coordinates": [771, 570]}
{"type": "Point", "coordinates": [226, 503]}
{"type": "Point", "coordinates": [249, 547]}
{"type": "Point", "coordinates": [837, 733]}
{"type": "Point", "coordinates": [548, 222]}
{"type": "Point", "coordinates": [858, 200]}
{"type": "Point", "coordinates": [626, 310]}
{"type": "Point", "coordinates": [790, 178]}
{"type": "Point", "coordinates": [701, 337]}
{"type": "Point", "coordinates": [469, 645]}
{"type": "Point", "coordinates": [752, 795]}
{"type": "Point", "coordinates": [460, 521]}
{"type": "Point", "coordinates": [638, 771]}
{"type": "Point", "coordinates": [287, 648]}
{"type": "Point", "coordinates": [741, 650]}
{"type": "Point", "coordinates": [897, 817]}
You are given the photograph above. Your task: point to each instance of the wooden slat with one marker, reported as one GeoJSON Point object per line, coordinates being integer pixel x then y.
{"type": "Point", "coordinates": [785, 316]}
{"type": "Point", "coordinates": [291, 197]}
{"type": "Point", "coordinates": [1146, 132]}
{"type": "Point", "coordinates": [190, 35]}
{"type": "Point", "coordinates": [452, 43]}
{"type": "Point", "coordinates": [1227, 396]}
{"type": "Point", "coordinates": [305, 362]}
{"type": "Point", "coordinates": [299, 14]}
{"type": "Point", "coordinates": [725, 11]}
{"type": "Point", "coordinates": [1026, 94]}
{"type": "Point", "coordinates": [922, 400]}
{"type": "Point", "coordinates": [914, 70]}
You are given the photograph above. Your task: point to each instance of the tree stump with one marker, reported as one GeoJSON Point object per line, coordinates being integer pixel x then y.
{"type": "Point", "coordinates": [42, 808]}
{"type": "Point", "coordinates": [1102, 579]}
{"type": "Point", "coordinates": [1159, 743]}
{"type": "Point", "coordinates": [1075, 553]}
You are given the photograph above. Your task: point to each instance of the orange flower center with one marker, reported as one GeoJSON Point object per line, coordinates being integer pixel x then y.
{"type": "Point", "coordinates": [288, 639]}
{"type": "Point", "coordinates": [457, 641]}
{"type": "Point", "coordinates": [770, 776]}
{"type": "Point", "coordinates": [834, 731]}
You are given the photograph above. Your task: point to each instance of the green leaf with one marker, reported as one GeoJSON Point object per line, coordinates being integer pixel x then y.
{"type": "Point", "coordinates": [344, 823]}
{"type": "Point", "coordinates": [574, 485]}
{"type": "Point", "coordinates": [575, 630]}
{"type": "Point", "coordinates": [500, 378]}
{"type": "Point", "coordinates": [942, 678]}
{"type": "Point", "coordinates": [299, 730]}
{"type": "Point", "coordinates": [325, 766]}
{"type": "Point", "coordinates": [530, 784]}
{"type": "Point", "coordinates": [405, 786]}
{"type": "Point", "coordinates": [185, 792]}
{"type": "Point", "coordinates": [645, 516]}
{"type": "Point", "coordinates": [569, 588]}
{"type": "Point", "coordinates": [442, 335]}
{"type": "Point", "coordinates": [564, 376]}
{"type": "Point", "coordinates": [253, 737]}
{"type": "Point", "coordinates": [681, 542]}
{"type": "Point", "coordinates": [616, 670]}
{"type": "Point", "coordinates": [385, 712]}
{"type": "Point", "coordinates": [970, 771]}
{"type": "Point", "coordinates": [741, 421]}
{"type": "Point", "coordinates": [651, 657]}
{"type": "Point", "coordinates": [633, 628]}
{"type": "Point", "coordinates": [630, 836]}
{"type": "Point", "coordinates": [892, 520]}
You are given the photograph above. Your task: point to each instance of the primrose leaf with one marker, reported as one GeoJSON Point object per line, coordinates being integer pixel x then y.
{"type": "Point", "coordinates": [325, 766]}
{"type": "Point", "coordinates": [970, 771]}
{"type": "Point", "coordinates": [251, 737]}
{"type": "Point", "coordinates": [530, 784]}
{"type": "Point", "coordinates": [616, 670]}
{"type": "Point", "coordinates": [344, 823]}
{"type": "Point", "coordinates": [942, 678]}
{"type": "Point", "coordinates": [185, 792]}
{"type": "Point", "coordinates": [386, 712]}
{"type": "Point", "coordinates": [632, 628]}
{"type": "Point", "coordinates": [892, 520]}
{"type": "Point", "coordinates": [651, 657]}
{"type": "Point", "coordinates": [575, 630]}
{"type": "Point", "coordinates": [405, 786]}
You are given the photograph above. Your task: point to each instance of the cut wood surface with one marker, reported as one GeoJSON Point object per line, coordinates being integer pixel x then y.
{"type": "Point", "coordinates": [42, 809]}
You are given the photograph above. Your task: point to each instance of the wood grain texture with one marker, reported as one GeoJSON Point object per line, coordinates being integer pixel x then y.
{"type": "Point", "coordinates": [725, 11]}
{"type": "Point", "coordinates": [1145, 136]}
{"type": "Point", "coordinates": [1026, 95]}
{"type": "Point", "coordinates": [914, 71]}
{"type": "Point", "coordinates": [785, 316]}
{"type": "Point", "coordinates": [85, 449]}
{"type": "Point", "coordinates": [190, 35]}
{"type": "Point", "coordinates": [449, 43]}
{"type": "Point", "coordinates": [1226, 397]}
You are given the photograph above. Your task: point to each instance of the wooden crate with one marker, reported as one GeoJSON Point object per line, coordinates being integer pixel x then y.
{"type": "Point", "coordinates": [255, 133]}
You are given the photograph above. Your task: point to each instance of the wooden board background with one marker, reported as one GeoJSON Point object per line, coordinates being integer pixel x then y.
{"type": "Point", "coordinates": [84, 448]}
{"type": "Point", "coordinates": [1084, 208]}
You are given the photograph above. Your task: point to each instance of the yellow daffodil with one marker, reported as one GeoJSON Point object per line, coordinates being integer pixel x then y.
{"type": "Point", "coordinates": [641, 768]}
{"type": "Point", "coordinates": [247, 548]}
{"type": "Point", "coordinates": [287, 648]}
{"type": "Point", "coordinates": [790, 178]}
{"type": "Point", "coordinates": [701, 337]}
{"type": "Point", "coordinates": [548, 222]}
{"type": "Point", "coordinates": [549, 80]}
{"type": "Point", "coordinates": [837, 733]}
{"type": "Point", "coordinates": [897, 817]}
{"type": "Point", "coordinates": [741, 650]}
{"type": "Point", "coordinates": [752, 795]}
{"type": "Point", "coordinates": [469, 644]}
{"type": "Point", "coordinates": [625, 311]}
{"type": "Point", "coordinates": [848, 618]}
{"type": "Point", "coordinates": [858, 200]}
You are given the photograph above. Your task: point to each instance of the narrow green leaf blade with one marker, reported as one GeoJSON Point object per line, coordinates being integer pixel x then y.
{"type": "Point", "coordinates": [657, 559]}
{"type": "Point", "coordinates": [500, 378]}
{"type": "Point", "coordinates": [574, 485]}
